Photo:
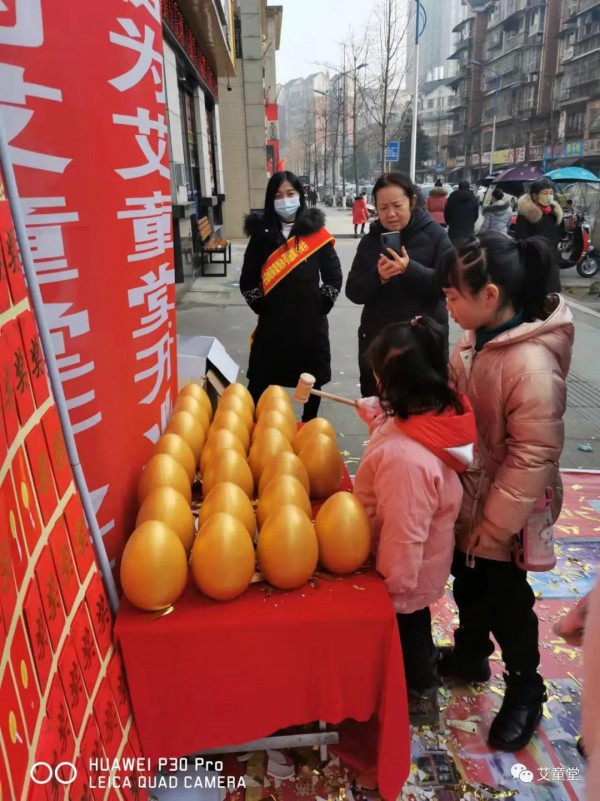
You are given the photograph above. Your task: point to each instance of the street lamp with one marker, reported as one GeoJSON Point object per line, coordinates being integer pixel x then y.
{"type": "Point", "coordinates": [421, 23]}
{"type": "Point", "coordinates": [496, 90]}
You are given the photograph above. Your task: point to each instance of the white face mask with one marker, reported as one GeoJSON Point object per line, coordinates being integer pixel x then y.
{"type": "Point", "coordinates": [286, 207]}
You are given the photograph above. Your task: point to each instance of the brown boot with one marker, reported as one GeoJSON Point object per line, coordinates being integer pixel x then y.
{"type": "Point", "coordinates": [423, 707]}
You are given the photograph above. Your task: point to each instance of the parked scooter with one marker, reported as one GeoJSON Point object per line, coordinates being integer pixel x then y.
{"type": "Point", "coordinates": [576, 248]}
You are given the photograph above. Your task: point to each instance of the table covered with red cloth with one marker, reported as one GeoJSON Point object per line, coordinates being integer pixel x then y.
{"type": "Point", "coordinates": [213, 674]}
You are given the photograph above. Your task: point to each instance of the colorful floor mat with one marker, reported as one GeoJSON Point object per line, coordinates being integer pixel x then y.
{"type": "Point", "coordinates": [453, 763]}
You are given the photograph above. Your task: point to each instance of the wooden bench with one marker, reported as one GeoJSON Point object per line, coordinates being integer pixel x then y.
{"type": "Point", "coordinates": [211, 245]}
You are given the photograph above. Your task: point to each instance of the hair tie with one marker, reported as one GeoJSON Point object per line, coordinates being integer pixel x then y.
{"type": "Point", "coordinates": [415, 320]}
{"type": "Point", "coordinates": [521, 246]}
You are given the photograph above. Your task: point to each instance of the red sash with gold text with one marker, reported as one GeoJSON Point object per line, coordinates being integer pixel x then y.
{"type": "Point", "coordinates": [283, 260]}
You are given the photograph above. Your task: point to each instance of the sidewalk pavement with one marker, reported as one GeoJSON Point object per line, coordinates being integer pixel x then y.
{"type": "Point", "coordinates": [213, 306]}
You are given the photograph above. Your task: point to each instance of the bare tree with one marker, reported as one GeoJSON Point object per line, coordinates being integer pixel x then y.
{"type": "Point", "coordinates": [387, 65]}
{"type": "Point", "coordinates": [355, 52]}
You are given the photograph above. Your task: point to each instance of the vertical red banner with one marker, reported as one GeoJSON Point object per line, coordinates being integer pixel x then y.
{"type": "Point", "coordinates": [82, 104]}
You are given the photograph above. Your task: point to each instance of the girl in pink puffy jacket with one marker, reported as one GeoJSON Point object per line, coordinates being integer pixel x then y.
{"type": "Point", "coordinates": [422, 435]}
{"type": "Point", "coordinates": [512, 363]}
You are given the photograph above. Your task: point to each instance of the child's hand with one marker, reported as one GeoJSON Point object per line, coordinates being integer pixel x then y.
{"type": "Point", "coordinates": [571, 627]}
{"type": "Point", "coordinates": [369, 410]}
{"type": "Point", "coordinates": [391, 264]}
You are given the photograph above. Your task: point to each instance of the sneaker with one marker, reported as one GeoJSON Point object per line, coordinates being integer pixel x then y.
{"type": "Point", "coordinates": [520, 713]}
{"type": "Point", "coordinates": [471, 671]}
{"type": "Point", "coordinates": [423, 707]}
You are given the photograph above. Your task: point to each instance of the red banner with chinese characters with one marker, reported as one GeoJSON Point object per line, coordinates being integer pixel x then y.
{"type": "Point", "coordinates": [82, 102]}
{"type": "Point", "coordinates": [64, 702]}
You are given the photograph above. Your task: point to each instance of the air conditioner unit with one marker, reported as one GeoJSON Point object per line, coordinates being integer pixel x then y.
{"type": "Point", "coordinates": [569, 53]}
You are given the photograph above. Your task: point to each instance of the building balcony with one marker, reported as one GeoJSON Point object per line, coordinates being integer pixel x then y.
{"type": "Point", "coordinates": [207, 20]}
{"type": "Point", "coordinates": [515, 8]}
{"type": "Point", "coordinates": [464, 23]}
{"type": "Point", "coordinates": [575, 8]}
{"type": "Point", "coordinates": [580, 92]}
{"type": "Point", "coordinates": [460, 101]}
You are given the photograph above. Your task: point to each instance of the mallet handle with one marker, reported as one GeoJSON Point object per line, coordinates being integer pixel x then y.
{"type": "Point", "coordinates": [329, 396]}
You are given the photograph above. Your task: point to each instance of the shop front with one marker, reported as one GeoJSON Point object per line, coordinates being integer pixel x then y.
{"type": "Point", "coordinates": [194, 139]}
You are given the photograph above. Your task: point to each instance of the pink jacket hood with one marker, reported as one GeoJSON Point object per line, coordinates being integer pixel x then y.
{"type": "Point", "coordinates": [450, 436]}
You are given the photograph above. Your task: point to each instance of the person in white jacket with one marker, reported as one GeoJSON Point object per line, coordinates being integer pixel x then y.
{"type": "Point", "coordinates": [497, 217]}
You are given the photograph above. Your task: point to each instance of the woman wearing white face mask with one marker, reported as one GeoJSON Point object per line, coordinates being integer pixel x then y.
{"type": "Point", "coordinates": [291, 277]}
{"type": "Point", "coordinates": [539, 214]}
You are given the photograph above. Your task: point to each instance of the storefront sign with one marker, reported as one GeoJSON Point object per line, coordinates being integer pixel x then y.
{"type": "Point", "coordinates": [85, 119]}
{"type": "Point", "coordinates": [568, 150]}
{"type": "Point", "coordinates": [461, 161]}
{"type": "Point", "coordinates": [536, 153]}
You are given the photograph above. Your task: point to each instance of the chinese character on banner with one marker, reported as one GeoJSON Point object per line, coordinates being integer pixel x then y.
{"type": "Point", "coordinates": [95, 187]}
{"type": "Point", "coordinates": [151, 226]}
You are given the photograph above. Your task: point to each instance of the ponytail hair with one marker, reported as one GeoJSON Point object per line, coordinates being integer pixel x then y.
{"type": "Point", "coordinates": [539, 276]}
{"type": "Point", "coordinates": [409, 362]}
{"type": "Point", "coordinates": [524, 271]}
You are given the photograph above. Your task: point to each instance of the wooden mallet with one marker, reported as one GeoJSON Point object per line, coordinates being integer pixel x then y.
{"type": "Point", "coordinates": [304, 389]}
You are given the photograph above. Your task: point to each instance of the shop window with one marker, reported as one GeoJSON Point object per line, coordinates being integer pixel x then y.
{"type": "Point", "coordinates": [190, 144]}
{"type": "Point", "coordinates": [212, 153]}
{"type": "Point", "coordinates": [575, 124]}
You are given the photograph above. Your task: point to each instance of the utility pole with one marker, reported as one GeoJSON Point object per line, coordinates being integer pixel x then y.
{"type": "Point", "coordinates": [344, 130]}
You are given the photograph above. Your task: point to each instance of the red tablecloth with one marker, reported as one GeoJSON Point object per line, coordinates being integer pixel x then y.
{"type": "Point", "coordinates": [212, 674]}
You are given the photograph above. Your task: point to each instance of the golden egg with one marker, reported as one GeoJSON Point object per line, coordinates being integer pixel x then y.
{"type": "Point", "coordinates": [219, 440]}
{"type": "Point", "coordinates": [172, 509]}
{"type": "Point", "coordinates": [343, 532]}
{"type": "Point", "coordinates": [186, 426]}
{"type": "Point", "coordinates": [317, 426]}
{"type": "Point", "coordinates": [186, 403]}
{"type": "Point", "coordinates": [231, 499]}
{"type": "Point", "coordinates": [267, 445]}
{"type": "Point", "coordinates": [273, 392]}
{"type": "Point", "coordinates": [287, 548]}
{"type": "Point", "coordinates": [196, 391]}
{"type": "Point", "coordinates": [232, 422]}
{"type": "Point", "coordinates": [284, 464]}
{"type": "Point", "coordinates": [240, 391]}
{"type": "Point", "coordinates": [177, 447]}
{"type": "Point", "coordinates": [282, 491]}
{"type": "Point", "coordinates": [324, 465]}
{"type": "Point", "coordinates": [235, 404]}
{"type": "Point", "coordinates": [277, 405]}
{"type": "Point", "coordinates": [274, 419]}
{"type": "Point", "coordinates": [223, 558]}
{"type": "Point", "coordinates": [154, 567]}
{"type": "Point", "coordinates": [228, 465]}
{"type": "Point", "coordinates": [163, 471]}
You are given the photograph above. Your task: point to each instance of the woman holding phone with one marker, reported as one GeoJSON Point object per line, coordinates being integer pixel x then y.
{"type": "Point", "coordinates": [393, 273]}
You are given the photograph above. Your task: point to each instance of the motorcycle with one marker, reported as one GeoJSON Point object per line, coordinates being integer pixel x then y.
{"type": "Point", "coordinates": [576, 248]}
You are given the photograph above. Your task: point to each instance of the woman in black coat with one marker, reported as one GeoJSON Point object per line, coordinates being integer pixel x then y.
{"type": "Point", "coordinates": [292, 335]}
{"type": "Point", "coordinates": [395, 287]}
{"type": "Point", "coordinates": [539, 214]}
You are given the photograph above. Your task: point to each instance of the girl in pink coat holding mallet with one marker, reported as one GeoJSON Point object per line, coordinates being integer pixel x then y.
{"type": "Point", "coordinates": [422, 436]}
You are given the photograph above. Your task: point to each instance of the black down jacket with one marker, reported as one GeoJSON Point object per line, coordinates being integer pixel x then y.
{"type": "Point", "coordinates": [461, 213]}
{"type": "Point", "coordinates": [403, 296]}
{"type": "Point", "coordinates": [292, 335]}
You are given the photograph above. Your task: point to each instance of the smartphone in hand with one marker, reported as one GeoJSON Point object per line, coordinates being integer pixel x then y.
{"type": "Point", "coordinates": [390, 239]}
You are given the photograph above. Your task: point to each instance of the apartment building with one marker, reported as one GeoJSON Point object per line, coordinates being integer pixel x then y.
{"type": "Point", "coordinates": [577, 93]}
